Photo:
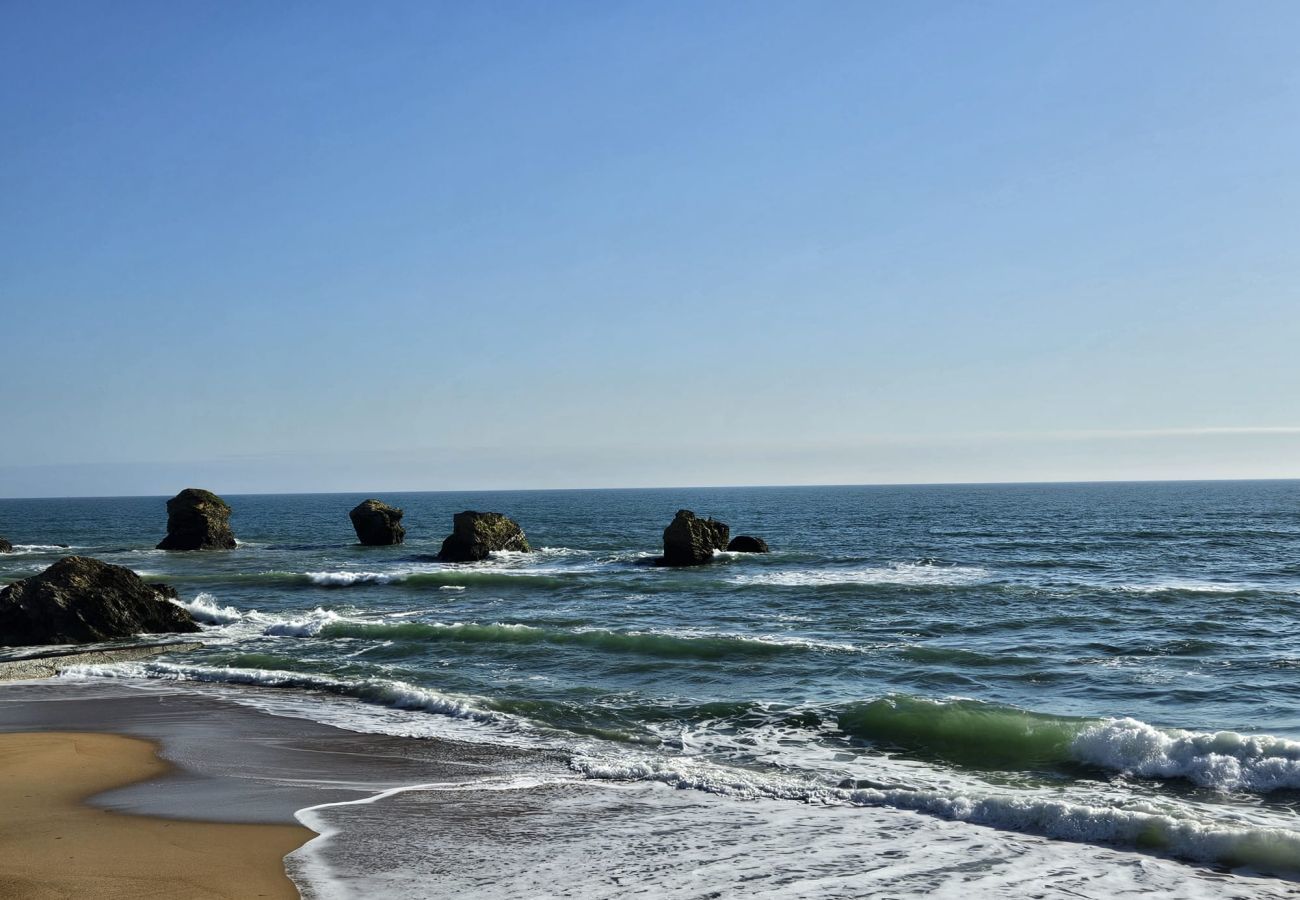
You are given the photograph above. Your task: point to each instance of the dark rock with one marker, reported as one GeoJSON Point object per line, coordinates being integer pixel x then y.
{"type": "Point", "coordinates": [476, 534]}
{"type": "Point", "coordinates": [197, 520]}
{"type": "Point", "coordinates": [377, 524]}
{"type": "Point", "coordinates": [690, 540]}
{"type": "Point", "coordinates": [5, 546]}
{"type": "Point", "coordinates": [79, 599]}
{"type": "Point", "coordinates": [744, 543]}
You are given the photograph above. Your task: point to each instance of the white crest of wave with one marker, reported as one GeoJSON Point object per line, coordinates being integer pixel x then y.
{"type": "Point", "coordinates": [204, 608]}
{"type": "Point", "coordinates": [343, 579]}
{"type": "Point", "coordinates": [897, 573]}
{"type": "Point", "coordinates": [1225, 761]}
{"type": "Point", "coordinates": [1189, 587]}
{"type": "Point", "coordinates": [381, 692]}
{"type": "Point", "coordinates": [306, 625]}
{"type": "Point", "coordinates": [42, 548]}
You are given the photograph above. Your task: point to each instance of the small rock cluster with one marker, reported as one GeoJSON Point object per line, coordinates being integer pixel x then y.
{"type": "Point", "coordinates": [690, 540]}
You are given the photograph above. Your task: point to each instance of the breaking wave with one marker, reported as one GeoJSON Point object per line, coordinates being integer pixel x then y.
{"type": "Point", "coordinates": [987, 735]}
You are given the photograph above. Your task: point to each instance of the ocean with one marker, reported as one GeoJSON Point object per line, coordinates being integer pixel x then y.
{"type": "Point", "coordinates": [996, 689]}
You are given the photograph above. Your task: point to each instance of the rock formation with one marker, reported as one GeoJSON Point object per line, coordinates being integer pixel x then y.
{"type": "Point", "coordinates": [690, 541]}
{"type": "Point", "coordinates": [79, 599]}
{"type": "Point", "coordinates": [745, 543]}
{"type": "Point", "coordinates": [5, 546]}
{"type": "Point", "coordinates": [377, 524]}
{"type": "Point", "coordinates": [197, 520]}
{"type": "Point", "coordinates": [476, 534]}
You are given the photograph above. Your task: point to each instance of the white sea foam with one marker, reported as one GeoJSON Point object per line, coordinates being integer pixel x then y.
{"type": "Point", "coordinates": [1224, 761]}
{"type": "Point", "coordinates": [1194, 587]}
{"type": "Point", "coordinates": [204, 609]}
{"type": "Point", "coordinates": [344, 579]}
{"type": "Point", "coordinates": [896, 574]}
{"type": "Point", "coordinates": [381, 692]}
{"type": "Point", "coordinates": [1272, 849]}
{"type": "Point", "coordinates": [306, 625]}
{"type": "Point", "coordinates": [44, 548]}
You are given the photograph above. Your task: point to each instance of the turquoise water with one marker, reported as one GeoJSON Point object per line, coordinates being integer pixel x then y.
{"type": "Point", "coordinates": [1111, 664]}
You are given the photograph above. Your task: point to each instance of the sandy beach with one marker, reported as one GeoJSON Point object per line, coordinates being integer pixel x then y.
{"type": "Point", "coordinates": [55, 845]}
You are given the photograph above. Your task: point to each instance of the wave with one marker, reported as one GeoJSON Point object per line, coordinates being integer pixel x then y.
{"type": "Point", "coordinates": [346, 579]}
{"type": "Point", "coordinates": [204, 609]}
{"type": "Point", "coordinates": [701, 645]}
{"type": "Point", "coordinates": [451, 577]}
{"type": "Point", "coordinates": [377, 691]}
{"type": "Point", "coordinates": [44, 548]}
{"type": "Point", "coordinates": [980, 734]}
{"type": "Point", "coordinates": [906, 574]}
{"type": "Point", "coordinates": [1265, 849]}
{"type": "Point", "coordinates": [956, 656]}
{"type": "Point", "coordinates": [306, 625]}
{"type": "Point", "coordinates": [1201, 587]}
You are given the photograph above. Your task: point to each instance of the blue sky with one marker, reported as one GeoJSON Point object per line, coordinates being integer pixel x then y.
{"type": "Point", "coordinates": [337, 246]}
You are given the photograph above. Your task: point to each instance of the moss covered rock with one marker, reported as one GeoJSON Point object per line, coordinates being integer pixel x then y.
{"type": "Point", "coordinates": [377, 524]}
{"type": "Point", "coordinates": [476, 534]}
{"type": "Point", "coordinates": [198, 520]}
{"type": "Point", "coordinates": [79, 599]}
{"type": "Point", "coordinates": [690, 540]}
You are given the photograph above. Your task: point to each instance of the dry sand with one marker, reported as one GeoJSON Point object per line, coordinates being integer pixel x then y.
{"type": "Point", "coordinates": [54, 845]}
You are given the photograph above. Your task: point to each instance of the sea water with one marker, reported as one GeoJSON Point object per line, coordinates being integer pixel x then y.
{"type": "Point", "coordinates": [1090, 686]}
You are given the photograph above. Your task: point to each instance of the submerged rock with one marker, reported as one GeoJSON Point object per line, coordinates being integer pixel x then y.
{"type": "Point", "coordinates": [745, 543]}
{"type": "Point", "coordinates": [476, 534]}
{"type": "Point", "coordinates": [377, 524]}
{"type": "Point", "coordinates": [690, 540]}
{"type": "Point", "coordinates": [5, 546]}
{"type": "Point", "coordinates": [198, 520]}
{"type": "Point", "coordinates": [79, 599]}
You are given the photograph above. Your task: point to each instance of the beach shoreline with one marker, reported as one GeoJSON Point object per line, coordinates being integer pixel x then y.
{"type": "Point", "coordinates": [56, 844]}
{"type": "Point", "coordinates": [401, 817]}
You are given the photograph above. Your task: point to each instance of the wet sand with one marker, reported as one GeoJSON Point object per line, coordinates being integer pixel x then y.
{"type": "Point", "coordinates": [53, 844]}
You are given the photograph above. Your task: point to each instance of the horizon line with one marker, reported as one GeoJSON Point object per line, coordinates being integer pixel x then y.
{"type": "Point", "coordinates": [698, 487]}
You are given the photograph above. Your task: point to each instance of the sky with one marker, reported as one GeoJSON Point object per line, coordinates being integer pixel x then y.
{"type": "Point", "coordinates": [330, 246]}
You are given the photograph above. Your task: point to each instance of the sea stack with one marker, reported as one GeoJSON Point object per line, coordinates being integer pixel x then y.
{"type": "Point", "coordinates": [747, 543]}
{"type": "Point", "coordinates": [476, 534]}
{"type": "Point", "coordinates": [377, 524]}
{"type": "Point", "coordinates": [79, 599]}
{"type": "Point", "coordinates": [198, 520]}
{"type": "Point", "coordinates": [5, 546]}
{"type": "Point", "coordinates": [690, 540]}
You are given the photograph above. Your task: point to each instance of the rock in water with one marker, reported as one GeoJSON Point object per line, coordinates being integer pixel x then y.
{"type": "Point", "coordinates": [745, 543]}
{"type": "Point", "coordinates": [5, 546]}
{"type": "Point", "coordinates": [690, 540]}
{"type": "Point", "coordinates": [198, 520]}
{"type": "Point", "coordinates": [476, 534]}
{"type": "Point", "coordinates": [79, 599]}
{"type": "Point", "coordinates": [377, 524]}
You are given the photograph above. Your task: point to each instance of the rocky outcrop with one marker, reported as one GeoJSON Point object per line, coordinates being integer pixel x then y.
{"type": "Point", "coordinates": [476, 534]}
{"type": "Point", "coordinates": [198, 520]}
{"type": "Point", "coordinates": [79, 599]}
{"type": "Point", "coordinates": [690, 540]}
{"type": "Point", "coordinates": [5, 546]}
{"type": "Point", "coordinates": [377, 524]}
{"type": "Point", "coordinates": [745, 543]}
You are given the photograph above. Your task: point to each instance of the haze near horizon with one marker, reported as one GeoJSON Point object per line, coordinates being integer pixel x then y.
{"type": "Point", "coordinates": [320, 247]}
